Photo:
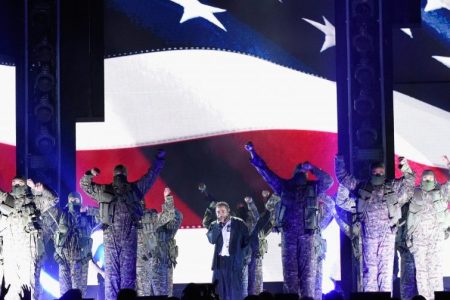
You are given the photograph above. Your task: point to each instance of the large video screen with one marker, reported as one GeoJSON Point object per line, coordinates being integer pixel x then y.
{"type": "Point", "coordinates": [201, 78]}
{"type": "Point", "coordinates": [7, 126]}
{"type": "Point", "coordinates": [200, 81]}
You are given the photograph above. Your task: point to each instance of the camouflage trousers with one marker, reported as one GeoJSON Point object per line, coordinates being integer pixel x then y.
{"type": "Point", "coordinates": [426, 248]}
{"type": "Point", "coordinates": [120, 259]}
{"type": "Point", "coordinates": [143, 271]}
{"type": "Point", "coordinates": [299, 261]}
{"type": "Point", "coordinates": [255, 276]}
{"type": "Point", "coordinates": [378, 262]}
{"type": "Point", "coordinates": [408, 286]}
{"type": "Point", "coordinates": [245, 281]}
{"type": "Point", "coordinates": [318, 283]}
{"type": "Point", "coordinates": [143, 267]}
{"type": "Point", "coordinates": [161, 279]}
{"type": "Point", "coordinates": [73, 275]}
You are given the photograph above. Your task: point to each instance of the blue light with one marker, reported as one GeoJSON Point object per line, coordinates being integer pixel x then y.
{"type": "Point", "coordinates": [49, 284]}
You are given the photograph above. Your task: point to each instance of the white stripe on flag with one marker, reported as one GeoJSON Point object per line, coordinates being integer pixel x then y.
{"type": "Point", "coordinates": [8, 105]}
{"type": "Point", "coordinates": [422, 131]}
{"type": "Point", "coordinates": [177, 95]}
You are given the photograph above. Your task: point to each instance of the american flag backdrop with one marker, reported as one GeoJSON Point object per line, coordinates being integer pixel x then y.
{"type": "Point", "coordinates": [201, 78]}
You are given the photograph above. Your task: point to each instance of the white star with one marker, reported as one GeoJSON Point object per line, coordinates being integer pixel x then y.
{"type": "Point", "coordinates": [407, 31]}
{"type": "Point", "coordinates": [194, 9]}
{"type": "Point", "coordinates": [328, 29]}
{"type": "Point", "coordinates": [437, 4]}
{"type": "Point", "coordinates": [443, 59]}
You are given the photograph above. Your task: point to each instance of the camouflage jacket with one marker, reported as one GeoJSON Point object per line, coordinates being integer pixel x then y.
{"type": "Point", "coordinates": [73, 234]}
{"type": "Point", "coordinates": [108, 199]}
{"type": "Point", "coordinates": [299, 202]}
{"type": "Point", "coordinates": [375, 206]}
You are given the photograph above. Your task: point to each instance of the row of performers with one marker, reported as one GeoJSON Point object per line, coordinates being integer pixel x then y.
{"type": "Point", "coordinates": [140, 250]}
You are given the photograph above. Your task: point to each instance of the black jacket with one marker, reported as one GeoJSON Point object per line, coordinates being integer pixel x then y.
{"type": "Point", "coordinates": [239, 242]}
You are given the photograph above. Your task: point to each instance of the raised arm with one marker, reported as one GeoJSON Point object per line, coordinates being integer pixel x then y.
{"type": "Point", "coordinates": [3, 196]}
{"type": "Point", "coordinates": [209, 215]}
{"type": "Point", "coordinates": [262, 225]}
{"type": "Point", "coordinates": [168, 215]}
{"type": "Point", "coordinates": [175, 224]}
{"type": "Point", "coordinates": [343, 226]}
{"type": "Point", "coordinates": [404, 186]}
{"type": "Point", "coordinates": [272, 179]}
{"type": "Point", "coordinates": [325, 180]}
{"type": "Point", "coordinates": [343, 177]}
{"type": "Point", "coordinates": [210, 211]}
{"type": "Point", "coordinates": [344, 199]}
{"type": "Point", "coordinates": [94, 190]}
{"type": "Point", "coordinates": [246, 233]}
{"type": "Point", "coordinates": [43, 197]}
{"type": "Point", "coordinates": [445, 187]}
{"type": "Point", "coordinates": [253, 211]}
{"type": "Point", "coordinates": [146, 181]}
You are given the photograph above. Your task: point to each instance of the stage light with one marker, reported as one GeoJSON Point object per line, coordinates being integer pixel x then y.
{"type": "Point", "coordinates": [98, 249]}
{"type": "Point", "coordinates": [49, 284]}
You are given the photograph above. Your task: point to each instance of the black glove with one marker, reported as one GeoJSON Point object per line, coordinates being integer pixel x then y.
{"type": "Point", "coordinates": [161, 154]}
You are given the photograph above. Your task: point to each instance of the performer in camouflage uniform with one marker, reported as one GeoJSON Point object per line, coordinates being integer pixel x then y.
{"type": "Point", "coordinates": [164, 254]}
{"type": "Point", "coordinates": [23, 246]}
{"type": "Point", "coordinates": [408, 285]}
{"type": "Point", "coordinates": [325, 218]}
{"type": "Point", "coordinates": [351, 227]}
{"type": "Point", "coordinates": [73, 243]}
{"type": "Point", "coordinates": [378, 206]}
{"type": "Point", "coordinates": [146, 241]}
{"type": "Point", "coordinates": [300, 221]}
{"type": "Point", "coordinates": [120, 212]}
{"type": "Point", "coordinates": [426, 227]}
{"type": "Point", "coordinates": [258, 246]}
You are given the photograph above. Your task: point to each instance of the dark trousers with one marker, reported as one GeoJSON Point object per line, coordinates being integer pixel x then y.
{"type": "Point", "coordinates": [229, 279]}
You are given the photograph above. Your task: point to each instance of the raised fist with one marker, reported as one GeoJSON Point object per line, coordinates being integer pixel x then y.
{"type": "Point", "coordinates": [95, 171]}
{"type": "Point", "coordinates": [39, 187]}
{"type": "Point", "coordinates": [202, 187]}
{"type": "Point", "coordinates": [306, 166]}
{"type": "Point", "coordinates": [249, 147]}
{"type": "Point", "coordinates": [166, 191]}
{"type": "Point", "coordinates": [402, 160]}
{"type": "Point", "coordinates": [31, 184]}
{"type": "Point", "coordinates": [161, 154]}
{"type": "Point", "coordinates": [248, 199]}
{"type": "Point", "coordinates": [265, 194]}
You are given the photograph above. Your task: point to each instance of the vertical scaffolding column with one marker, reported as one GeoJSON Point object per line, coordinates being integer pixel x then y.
{"type": "Point", "coordinates": [38, 100]}
{"type": "Point", "coordinates": [364, 86]}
